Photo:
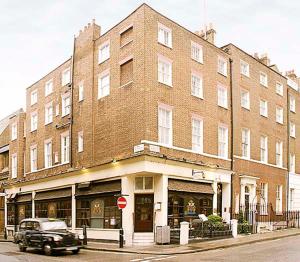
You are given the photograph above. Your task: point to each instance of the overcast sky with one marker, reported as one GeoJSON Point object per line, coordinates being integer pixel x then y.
{"type": "Point", "coordinates": [37, 36]}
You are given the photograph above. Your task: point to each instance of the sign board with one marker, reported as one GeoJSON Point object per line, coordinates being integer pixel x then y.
{"type": "Point", "coordinates": [121, 202]}
{"type": "Point", "coordinates": [138, 148]}
{"type": "Point", "coordinates": [202, 217]}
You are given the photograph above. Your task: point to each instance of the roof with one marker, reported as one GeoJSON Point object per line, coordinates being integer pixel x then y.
{"type": "Point", "coordinates": [41, 219]}
{"type": "Point", "coordinates": [5, 121]}
{"type": "Point", "coordinates": [269, 67]}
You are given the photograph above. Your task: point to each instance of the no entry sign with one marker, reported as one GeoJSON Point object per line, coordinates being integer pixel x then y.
{"type": "Point", "coordinates": [121, 202]}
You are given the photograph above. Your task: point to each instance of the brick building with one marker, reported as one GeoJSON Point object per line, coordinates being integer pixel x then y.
{"type": "Point", "coordinates": [153, 111]}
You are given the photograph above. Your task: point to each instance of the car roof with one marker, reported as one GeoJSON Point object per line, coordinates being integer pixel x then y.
{"type": "Point", "coordinates": [40, 220]}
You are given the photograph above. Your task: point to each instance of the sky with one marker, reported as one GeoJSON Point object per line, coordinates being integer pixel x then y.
{"type": "Point", "coordinates": [36, 36]}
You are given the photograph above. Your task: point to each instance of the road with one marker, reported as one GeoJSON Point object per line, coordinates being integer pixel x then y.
{"type": "Point", "coordinates": [286, 249]}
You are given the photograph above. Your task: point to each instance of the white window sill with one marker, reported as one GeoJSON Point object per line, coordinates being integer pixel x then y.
{"type": "Point", "coordinates": [166, 84]}
{"type": "Point", "coordinates": [101, 97]}
{"type": "Point", "coordinates": [246, 108]}
{"type": "Point", "coordinates": [265, 116]}
{"type": "Point", "coordinates": [165, 45]}
{"type": "Point", "coordinates": [200, 97]}
{"type": "Point", "coordinates": [248, 76]}
{"type": "Point", "coordinates": [102, 61]}
{"type": "Point", "coordinates": [266, 86]}
{"type": "Point", "coordinates": [198, 61]}
{"type": "Point", "coordinates": [223, 74]}
{"type": "Point", "coordinates": [13, 139]}
{"type": "Point", "coordinates": [49, 123]}
{"type": "Point", "coordinates": [62, 116]}
{"type": "Point", "coordinates": [225, 107]}
{"type": "Point", "coordinates": [33, 130]}
{"type": "Point", "coordinates": [280, 123]}
{"type": "Point", "coordinates": [127, 84]}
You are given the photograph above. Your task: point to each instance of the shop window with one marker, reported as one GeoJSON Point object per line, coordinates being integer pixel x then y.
{"type": "Point", "coordinates": [60, 209]}
{"type": "Point", "coordinates": [17, 212]}
{"type": "Point", "coordinates": [98, 212]}
{"type": "Point", "coordinates": [184, 206]}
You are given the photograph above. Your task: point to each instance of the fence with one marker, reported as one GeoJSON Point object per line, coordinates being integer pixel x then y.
{"type": "Point", "coordinates": [256, 216]}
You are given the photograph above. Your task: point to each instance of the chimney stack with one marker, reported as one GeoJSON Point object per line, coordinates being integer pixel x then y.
{"type": "Point", "coordinates": [208, 34]}
{"type": "Point", "coordinates": [291, 74]}
{"type": "Point", "coordinates": [265, 59]}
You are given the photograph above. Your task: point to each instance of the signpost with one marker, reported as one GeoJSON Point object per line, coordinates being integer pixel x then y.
{"type": "Point", "coordinates": [121, 203]}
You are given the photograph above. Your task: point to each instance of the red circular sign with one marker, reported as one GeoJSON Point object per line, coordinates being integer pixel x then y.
{"type": "Point", "coordinates": [121, 202]}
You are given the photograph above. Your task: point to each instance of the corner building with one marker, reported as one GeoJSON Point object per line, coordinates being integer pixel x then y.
{"type": "Point", "coordinates": [150, 110]}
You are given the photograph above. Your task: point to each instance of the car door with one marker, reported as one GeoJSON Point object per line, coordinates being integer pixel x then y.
{"type": "Point", "coordinates": [34, 236]}
{"type": "Point", "coordinates": [22, 231]}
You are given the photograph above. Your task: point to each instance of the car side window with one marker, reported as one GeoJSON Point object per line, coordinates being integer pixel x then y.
{"type": "Point", "coordinates": [23, 226]}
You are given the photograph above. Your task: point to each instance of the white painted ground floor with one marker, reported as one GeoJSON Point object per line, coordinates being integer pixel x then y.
{"type": "Point", "coordinates": [158, 192]}
{"type": "Point", "coordinates": [294, 192]}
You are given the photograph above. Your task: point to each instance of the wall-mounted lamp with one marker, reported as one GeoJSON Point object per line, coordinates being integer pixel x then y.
{"type": "Point", "coordinates": [201, 173]}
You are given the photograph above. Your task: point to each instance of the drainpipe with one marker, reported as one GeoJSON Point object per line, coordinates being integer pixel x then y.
{"type": "Point", "coordinates": [288, 149]}
{"type": "Point", "coordinates": [72, 106]}
{"type": "Point", "coordinates": [232, 130]}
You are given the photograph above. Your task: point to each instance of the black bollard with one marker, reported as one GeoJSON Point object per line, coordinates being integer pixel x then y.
{"type": "Point", "coordinates": [84, 235]}
{"type": "Point", "coordinates": [121, 238]}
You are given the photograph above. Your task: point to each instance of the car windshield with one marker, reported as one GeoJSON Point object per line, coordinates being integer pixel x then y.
{"type": "Point", "coordinates": [54, 225]}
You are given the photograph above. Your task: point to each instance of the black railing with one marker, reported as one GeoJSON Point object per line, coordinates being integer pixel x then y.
{"type": "Point", "coordinates": [208, 230]}
{"type": "Point", "coordinates": [251, 216]}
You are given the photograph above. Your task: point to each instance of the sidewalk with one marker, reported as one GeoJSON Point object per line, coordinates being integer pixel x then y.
{"type": "Point", "coordinates": [194, 247]}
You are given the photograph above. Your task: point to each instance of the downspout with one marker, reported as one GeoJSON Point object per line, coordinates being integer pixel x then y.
{"type": "Point", "coordinates": [232, 130]}
{"type": "Point", "coordinates": [288, 149]}
{"type": "Point", "coordinates": [72, 106]}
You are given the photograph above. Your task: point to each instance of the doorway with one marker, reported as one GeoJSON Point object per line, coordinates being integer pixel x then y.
{"type": "Point", "coordinates": [143, 221]}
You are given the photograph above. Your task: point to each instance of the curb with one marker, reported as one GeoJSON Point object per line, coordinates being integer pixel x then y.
{"type": "Point", "coordinates": [190, 251]}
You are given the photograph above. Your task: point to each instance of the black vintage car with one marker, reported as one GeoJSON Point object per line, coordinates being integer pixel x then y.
{"type": "Point", "coordinates": [48, 235]}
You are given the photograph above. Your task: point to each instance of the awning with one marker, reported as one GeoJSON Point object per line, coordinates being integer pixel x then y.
{"type": "Point", "coordinates": [11, 197]}
{"type": "Point", "coordinates": [189, 186]}
{"type": "Point", "coordinates": [99, 188]}
{"type": "Point", "coordinates": [24, 198]}
{"type": "Point", "coordinates": [59, 193]}
{"type": "Point", "coordinates": [4, 149]}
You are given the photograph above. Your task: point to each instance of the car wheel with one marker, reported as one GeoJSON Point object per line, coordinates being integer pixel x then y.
{"type": "Point", "coordinates": [22, 248]}
{"type": "Point", "coordinates": [76, 251]}
{"type": "Point", "coordinates": [47, 249]}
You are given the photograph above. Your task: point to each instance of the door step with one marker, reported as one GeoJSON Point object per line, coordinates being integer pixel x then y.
{"type": "Point", "coordinates": [143, 238]}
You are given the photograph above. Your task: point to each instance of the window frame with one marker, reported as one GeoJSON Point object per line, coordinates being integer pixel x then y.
{"type": "Point", "coordinates": [263, 83]}
{"type": "Point", "coordinates": [279, 92]}
{"type": "Point", "coordinates": [263, 108]}
{"type": "Point", "coordinates": [33, 124]}
{"type": "Point", "coordinates": [48, 161]}
{"type": "Point", "coordinates": [65, 149]}
{"type": "Point", "coordinates": [279, 153]}
{"type": "Point", "coordinates": [223, 60]}
{"type": "Point", "coordinates": [199, 49]}
{"type": "Point", "coordinates": [281, 120]}
{"type": "Point", "coordinates": [292, 104]}
{"type": "Point", "coordinates": [66, 107]}
{"type": "Point", "coordinates": [103, 90]}
{"type": "Point", "coordinates": [103, 46]}
{"type": "Point", "coordinates": [200, 87]}
{"type": "Point", "coordinates": [167, 30]}
{"type": "Point", "coordinates": [242, 62]}
{"type": "Point", "coordinates": [197, 147]}
{"type": "Point", "coordinates": [292, 167]}
{"type": "Point", "coordinates": [246, 143]}
{"type": "Point", "coordinates": [221, 99]}
{"type": "Point", "coordinates": [168, 129]}
{"type": "Point", "coordinates": [14, 131]}
{"type": "Point", "coordinates": [81, 91]}
{"type": "Point", "coordinates": [14, 166]}
{"type": "Point", "coordinates": [33, 97]}
{"type": "Point", "coordinates": [243, 92]}
{"type": "Point", "coordinates": [66, 79]}
{"type": "Point", "coordinates": [292, 129]}
{"type": "Point", "coordinates": [161, 74]}
{"type": "Point", "coordinates": [48, 84]}
{"type": "Point", "coordinates": [33, 158]}
{"type": "Point", "coordinates": [48, 117]}
{"type": "Point", "coordinates": [80, 147]}
{"type": "Point", "coordinates": [264, 150]}
{"type": "Point", "coordinates": [225, 128]}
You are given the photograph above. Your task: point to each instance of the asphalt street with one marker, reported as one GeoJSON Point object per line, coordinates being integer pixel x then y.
{"type": "Point", "coordinates": [286, 249]}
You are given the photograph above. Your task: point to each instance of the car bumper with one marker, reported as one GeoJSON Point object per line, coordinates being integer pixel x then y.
{"type": "Point", "coordinates": [71, 248]}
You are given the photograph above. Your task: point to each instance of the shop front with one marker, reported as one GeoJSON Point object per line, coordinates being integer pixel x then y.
{"type": "Point", "coordinates": [54, 204]}
{"type": "Point", "coordinates": [186, 200]}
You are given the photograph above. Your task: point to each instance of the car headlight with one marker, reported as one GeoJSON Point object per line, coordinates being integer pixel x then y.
{"type": "Point", "coordinates": [80, 236]}
{"type": "Point", "coordinates": [57, 238]}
